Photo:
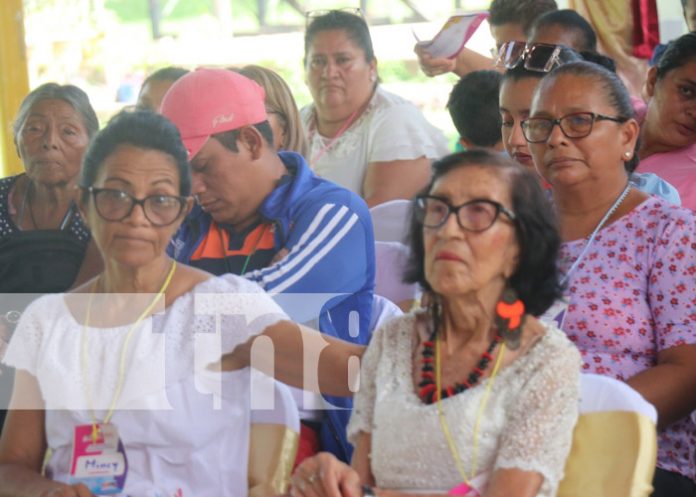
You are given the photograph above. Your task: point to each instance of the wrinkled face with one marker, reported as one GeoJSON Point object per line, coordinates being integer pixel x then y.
{"type": "Point", "coordinates": [510, 31]}
{"type": "Point", "coordinates": [152, 93]}
{"type": "Point", "coordinates": [52, 141]}
{"type": "Point", "coordinates": [671, 117]}
{"type": "Point", "coordinates": [599, 156]}
{"type": "Point", "coordinates": [134, 241]}
{"type": "Point", "coordinates": [459, 262]}
{"type": "Point", "coordinates": [337, 73]}
{"type": "Point", "coordinates": [227, 184]}
{"type": "Point", "coordinates": [515, 102]}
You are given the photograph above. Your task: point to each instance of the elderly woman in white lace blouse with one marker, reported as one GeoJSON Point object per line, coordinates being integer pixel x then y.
{"type": "Point", "coordinates": [474, 396]}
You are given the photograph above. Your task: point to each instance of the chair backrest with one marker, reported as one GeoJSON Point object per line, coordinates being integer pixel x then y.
{"type": "Point", "coordinates": [390, 261]}
{"type": "Point", "coordinates": [274, 436]}
{"type": "Point", "coordinates": [390, 220]}
{"type": "Point", "coordinates": [614, 447]}
{"type": "Point", "coordinates": [383, 310]}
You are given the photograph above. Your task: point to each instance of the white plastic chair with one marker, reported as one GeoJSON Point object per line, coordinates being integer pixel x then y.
{"type": "Point", "coordinates": [614, 448]}
{"type": "Point", "coordinates": [390, 260]}
{"type": "Point", "coordinates": [390, 220]}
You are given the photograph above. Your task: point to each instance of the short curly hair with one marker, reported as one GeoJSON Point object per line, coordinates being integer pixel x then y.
{"type": "Point", "coordinates": [143, 129]}
{"type": "Point", "coordinates": [536, 278]}
{"type": "Point", "coordinates": [523, 12]}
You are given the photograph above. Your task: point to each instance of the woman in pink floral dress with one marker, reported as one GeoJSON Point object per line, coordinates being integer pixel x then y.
{"type": "Point", "coordinates": [629, 259]}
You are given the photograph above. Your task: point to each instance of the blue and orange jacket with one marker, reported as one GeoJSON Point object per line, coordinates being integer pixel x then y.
{"type": "Point", "coordinates": [327, 231]}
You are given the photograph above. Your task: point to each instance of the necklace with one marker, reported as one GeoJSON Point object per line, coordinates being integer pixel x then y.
{"type": "Point", "coordinates": [248, 257]}
{"type": "Point", "coordinates": [26, 200]}
{"type": "Point", "coordinates": [333, 140]}
{"type": "Point", "coordinates": [124, 349]}
{"type": "Point", "coordinates": [591, 239]}
{"type": "Point", "coordinates": [484, 402]}
{"type": "Point", "coordinates": [428, 388]}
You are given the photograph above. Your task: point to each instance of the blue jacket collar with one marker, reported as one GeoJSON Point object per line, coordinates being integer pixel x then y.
{"type": "Point", "coordinates": [291, 187]}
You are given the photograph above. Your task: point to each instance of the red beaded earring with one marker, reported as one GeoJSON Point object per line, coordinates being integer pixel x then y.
{"type": "Point", "coordinates": [509, 317]}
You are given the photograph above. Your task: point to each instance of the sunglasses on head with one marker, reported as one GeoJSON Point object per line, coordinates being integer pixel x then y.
{"type": "Point", "coordinates": [540, 57]}
{"type": "Point", "coordinates": [310, 15]}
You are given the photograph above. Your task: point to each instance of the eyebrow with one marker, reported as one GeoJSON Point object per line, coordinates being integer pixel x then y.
{"type": "Point", "coordinates": [128, 183]}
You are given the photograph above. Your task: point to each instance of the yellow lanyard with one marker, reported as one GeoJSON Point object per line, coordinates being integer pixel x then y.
{"type": "Point", "coordinates": [482, 408]}
{"type": "Point", "coordinates": [122, 359]}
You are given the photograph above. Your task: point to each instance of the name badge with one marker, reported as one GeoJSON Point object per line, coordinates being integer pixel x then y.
{"type": "Point", "coordinates": [99, 463]}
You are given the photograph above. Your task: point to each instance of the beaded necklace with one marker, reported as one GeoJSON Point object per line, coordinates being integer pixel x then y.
{"type": "Point", "coordinates": [427, 386]}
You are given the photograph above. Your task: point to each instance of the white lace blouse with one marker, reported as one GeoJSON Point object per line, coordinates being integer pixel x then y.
{"type": "Point", "coordinates": [528, 421]}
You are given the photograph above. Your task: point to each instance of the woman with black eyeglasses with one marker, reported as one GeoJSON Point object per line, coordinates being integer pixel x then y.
{"type": "Point", "coordinates": [473, 396]}
{"type": "Point", "coordinates": [111, 377]}
{"type": "Point", "coordinates": [628, 259]}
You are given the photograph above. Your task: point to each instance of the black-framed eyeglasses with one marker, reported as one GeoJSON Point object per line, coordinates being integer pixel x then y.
{"type": "Point", "coordinates": [310, 15]}
{"type": "Point", "coordinates": [575, 125]}
{"type": "Point", "coordinates": [116, 205]}
{"type": "Point", "coordinates": [541, 57]}
{"type": "Point", "coordinates": [475, 215]}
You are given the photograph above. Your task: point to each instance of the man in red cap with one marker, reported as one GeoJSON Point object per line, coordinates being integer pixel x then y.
{"type": "Point", "coordinates": [265, 215]}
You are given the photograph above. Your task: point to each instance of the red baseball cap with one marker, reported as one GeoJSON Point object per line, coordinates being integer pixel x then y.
{"type": "Point", "coordinates": [209, 101]}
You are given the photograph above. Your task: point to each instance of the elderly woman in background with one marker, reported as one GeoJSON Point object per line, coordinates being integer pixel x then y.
{"type": "Point", "coordinates": [283, 115]}
{"type": "Point", "coordinates": [43, 239]}
{"type": "Point", "coordinates": [668, 134]}
{"type": "Point", "coordinates": [94, 368]}
{"type": "Point", "coordinates": [360, 136]}
{"type": "Point", "coordinates": [474, 389]}
{"type": "Point", "coordinates": [628, 259]}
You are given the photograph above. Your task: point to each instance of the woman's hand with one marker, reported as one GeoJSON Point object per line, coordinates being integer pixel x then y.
{"type": "Point", "coordinates": [433, 66]}
{"type": "Point", "coordinates": [325, 476]}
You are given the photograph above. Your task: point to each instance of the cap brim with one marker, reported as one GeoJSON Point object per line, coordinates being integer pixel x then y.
{"type": "Point", "coordinates": [194, 144]}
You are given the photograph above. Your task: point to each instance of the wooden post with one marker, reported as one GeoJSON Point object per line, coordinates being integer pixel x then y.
{"type": "Point", "coordinates": [14, 80]}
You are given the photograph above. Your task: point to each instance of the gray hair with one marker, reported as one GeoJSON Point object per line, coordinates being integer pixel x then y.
{"type": "Point", "coordinates": [53, 91]}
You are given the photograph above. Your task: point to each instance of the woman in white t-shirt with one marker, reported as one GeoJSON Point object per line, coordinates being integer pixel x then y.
{"type": "Point", "coordinates": [362, 137]}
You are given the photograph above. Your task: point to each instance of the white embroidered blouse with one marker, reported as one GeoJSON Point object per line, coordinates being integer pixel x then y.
{"type": "Point", "coordinates": [528, 422]}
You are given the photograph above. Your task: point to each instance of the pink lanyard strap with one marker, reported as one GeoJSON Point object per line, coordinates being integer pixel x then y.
{"type": "Point", "coordinates": [326, 147]}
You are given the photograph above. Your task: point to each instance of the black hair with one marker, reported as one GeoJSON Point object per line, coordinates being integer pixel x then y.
{"type": "Point", "coordinates": [615, 92]}
{"type": "Point", "coordinates": [520, 72]}
{"type": "Point", "coordinates": [170, 73]}
{"type": "Point", "coordinates": [473, 106]}
{"type": "Point", "coordinates": [523, 12]}
{"type": "Point", "coordinates": [536, 278]}
{"type": "Point", "coordinates": [229, 138]}
{"type": "Point", "coordinates": [339, 20]}
{"type": "Point", "coordinates": [678, 53]}
{"type": "Point", "coordinates": [570, 20]}
{"type": "Point", "coordinates": [71, 94]}
{"type": "Point", "coordinates": [143, 129]}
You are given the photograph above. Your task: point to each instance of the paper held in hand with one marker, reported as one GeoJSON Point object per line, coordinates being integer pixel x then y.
{"type": "Point", "coordinates": [453, 35]}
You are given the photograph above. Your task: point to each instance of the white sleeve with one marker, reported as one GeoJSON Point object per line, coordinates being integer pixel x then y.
{"type": "Point", "coordinates": [401, 132]}
{"type": "Point", "coordinates": [539, 429]}
{"type": "Point", "coordinates": [23, 350]}
{"type": "Point", "coordinates": [364, 400]}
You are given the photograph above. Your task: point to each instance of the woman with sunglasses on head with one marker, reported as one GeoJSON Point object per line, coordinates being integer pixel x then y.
{"type": "Point", "coordinates": [361, 136]}
{"type": "Point", "coordinates": [627, 258]}
{"type": "Point", "coordinates": [668, 134]}
{"type": "Point", "coordinates": [110, 377]}
{"type": "Point", "coordinates": [473, 396]}
{"type": "Point", "coordinates": [521, 79]}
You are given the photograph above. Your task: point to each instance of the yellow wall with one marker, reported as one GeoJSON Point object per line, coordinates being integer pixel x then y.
{"type": "Point", "coordinates": [14, 80]}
